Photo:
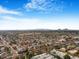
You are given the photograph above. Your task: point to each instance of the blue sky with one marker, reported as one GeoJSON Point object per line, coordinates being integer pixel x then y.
{"type": "Point", "coordinates": [39, 14]}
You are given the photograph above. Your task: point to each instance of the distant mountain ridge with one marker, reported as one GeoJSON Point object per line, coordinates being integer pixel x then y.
{"type": "Point", "coordinates": [40, 30]}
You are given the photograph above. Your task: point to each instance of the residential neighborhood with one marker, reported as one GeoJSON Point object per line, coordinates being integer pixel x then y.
{"type": "Point", "coordinates": [32, 44]}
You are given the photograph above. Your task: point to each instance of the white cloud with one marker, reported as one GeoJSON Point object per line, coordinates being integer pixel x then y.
{"type": "Point", "coordinates": [45, 5]}
{"type": "Point", "coordinates": [6, 11]}
{"type": "Point", "coordinates": [12, 23]}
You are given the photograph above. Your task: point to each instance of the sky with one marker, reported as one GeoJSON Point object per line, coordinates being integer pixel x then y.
{"type": "Point", "coordinates": [39, 14]}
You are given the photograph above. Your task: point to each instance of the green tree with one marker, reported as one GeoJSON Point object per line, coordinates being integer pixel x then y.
{"type": "Point", "coordinates": [67, 56]}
